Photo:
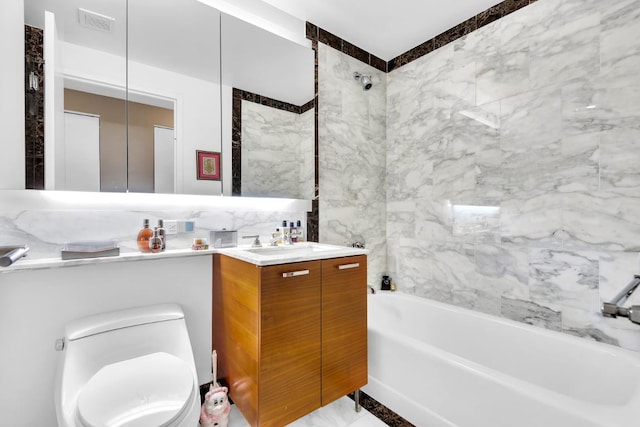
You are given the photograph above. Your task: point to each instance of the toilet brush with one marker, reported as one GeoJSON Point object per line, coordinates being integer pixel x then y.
{"type": "Point", "coordinates": [215, 409]}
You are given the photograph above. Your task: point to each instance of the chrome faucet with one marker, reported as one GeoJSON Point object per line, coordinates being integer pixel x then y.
{"type": "Point", "coordinates": [613, 309]}
{"type": "Point", "coordinates": [256, 243]}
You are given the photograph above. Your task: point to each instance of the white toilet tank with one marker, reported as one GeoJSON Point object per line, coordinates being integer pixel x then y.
{"type": "Point", "coordinates": [151, 343]}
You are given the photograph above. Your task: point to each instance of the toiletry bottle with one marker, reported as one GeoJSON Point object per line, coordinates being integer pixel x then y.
{"type": "Point", "coordinates": [143, 237]}
{"type": "Point", "coordinates": [286, 236]}
{"type": "Point", "coordinates": [155, 242]}
{"type": "Point", "coordinates": [294, 232]}
{"type": "Point", "coordinates": [278, 236]}
{"type": "Point", "coordinates": [162, 234]}
{"type": "Point", "coordinates": [300, 231]}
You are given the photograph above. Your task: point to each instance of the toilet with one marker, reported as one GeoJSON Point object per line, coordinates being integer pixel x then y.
{"type": "Point", "coordinates": [130, 368]}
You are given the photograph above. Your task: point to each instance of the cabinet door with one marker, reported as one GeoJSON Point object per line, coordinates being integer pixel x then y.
{"type": "Point", "coordinates": [289, 342]}
{"type": "Point", "coordinates": [344, 326]}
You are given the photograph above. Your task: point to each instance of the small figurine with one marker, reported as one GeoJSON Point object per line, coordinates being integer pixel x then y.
{"type": "Point", "coordinates": [216, 408]}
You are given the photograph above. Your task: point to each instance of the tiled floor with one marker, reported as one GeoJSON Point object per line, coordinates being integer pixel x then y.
{"type": "Point", "coordinates": [340, 413]}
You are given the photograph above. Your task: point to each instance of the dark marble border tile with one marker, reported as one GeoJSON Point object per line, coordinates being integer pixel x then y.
{"type": "Point", "coordinates": [315, 33]}
{"type": "Point", "coordinates": [380, 411]}
{"type": "Point", "coordinates": [313, 217]}
{"type": "Point", "coordinates": [236, 146]}
{"type": "Point", "coordinates": [270, 102]}
{"type": "Point", "coordinates": [34, 108]}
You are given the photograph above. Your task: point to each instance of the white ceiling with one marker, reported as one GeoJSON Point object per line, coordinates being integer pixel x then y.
{"type": "Point", "coordinates": [184, 35]}
{"type": "Point", "coordinates": [382, 27]}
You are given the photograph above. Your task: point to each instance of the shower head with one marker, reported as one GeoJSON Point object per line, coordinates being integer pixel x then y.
{"type": "Point", "coordinates": [365, 81]}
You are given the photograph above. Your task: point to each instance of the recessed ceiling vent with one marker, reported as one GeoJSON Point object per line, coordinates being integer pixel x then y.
{"type": "Point", "coordinates": [95, 20]}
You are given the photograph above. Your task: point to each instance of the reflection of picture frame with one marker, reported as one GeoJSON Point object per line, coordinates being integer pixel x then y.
{"type": "Point", "coordinates": [208, 165]}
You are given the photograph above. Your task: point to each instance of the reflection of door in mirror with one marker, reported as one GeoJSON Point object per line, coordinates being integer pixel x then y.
{"type": "Point", "coordinates": [114, 153]}
{"type": "Point", "coordinates": [159, 52]}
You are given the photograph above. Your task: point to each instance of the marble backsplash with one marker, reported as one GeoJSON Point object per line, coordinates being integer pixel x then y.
{"type": "Point", "coordinates": [45, 220]}
{"type": "Point", "coordinates": [512, 180]}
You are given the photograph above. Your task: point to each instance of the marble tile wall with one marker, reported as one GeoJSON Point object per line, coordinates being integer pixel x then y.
{"type": "Point", "coordinates": [351, 151]}
{"type": "Point", "coordinates": [277, 152]}
{"type": "Point", "coordinates": [512, 179]}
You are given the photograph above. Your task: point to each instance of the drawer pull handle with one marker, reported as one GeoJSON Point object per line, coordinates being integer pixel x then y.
{"type": "Point", "coordinates": [296, 273]}
{"type": "Point", "coordinates": [348, 266]}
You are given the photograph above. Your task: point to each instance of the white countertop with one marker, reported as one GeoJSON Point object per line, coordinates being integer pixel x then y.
{"type": "Point", "coordinates": [45, 263]}
{"type": "Point", "coordinates": [267, 255]}
{"type": "Point", "coordinates": [284, 254]}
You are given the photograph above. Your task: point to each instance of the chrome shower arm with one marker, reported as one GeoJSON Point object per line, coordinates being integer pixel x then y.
{"type": "Point", "coordinates": [627, 291]}
{"type": "Point", "coordinates": [613, 309]}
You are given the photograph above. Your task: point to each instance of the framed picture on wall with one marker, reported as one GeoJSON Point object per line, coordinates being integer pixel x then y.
{"type": "Point", "coordinates": [208, 165]}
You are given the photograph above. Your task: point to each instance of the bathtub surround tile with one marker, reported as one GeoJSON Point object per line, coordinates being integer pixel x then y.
{"type": "Point", "coordinates": [531, 313]}
{"type": "Point", "coordinates": [501, 75]}
{"type": "Point", "coordinates": [352, 158]}
{"type": "Point", "coordinates": [619, 43]}
{"type": "Point", "coordinates": [565, 48]}
{"type": "Point", "coordinates": [586, 324]}
{"type": "Point", "coordinates": [565, 279]}
{"type": "Point", "coordinates": [503, 270]}
{"type": "Point", "coordinates": [549, 137]}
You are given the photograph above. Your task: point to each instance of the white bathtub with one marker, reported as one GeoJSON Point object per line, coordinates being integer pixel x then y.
{"type": "Point", "coordinates": [440, 365]}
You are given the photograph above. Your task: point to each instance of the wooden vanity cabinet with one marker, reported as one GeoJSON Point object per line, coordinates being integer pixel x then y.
{"type": "Point", "coordinates": [344, 326]}
{"type": "Point", "coordinates": [290, 337]}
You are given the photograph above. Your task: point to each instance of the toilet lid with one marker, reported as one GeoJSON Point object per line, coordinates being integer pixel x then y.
{"type": "Point", "coordinates": [151, 390]}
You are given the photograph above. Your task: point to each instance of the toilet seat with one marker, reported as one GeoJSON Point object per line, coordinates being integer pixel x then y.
{"type": "Point", "coordinates": [152, 390]}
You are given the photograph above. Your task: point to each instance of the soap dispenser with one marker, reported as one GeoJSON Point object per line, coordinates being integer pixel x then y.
{"type": "Point", "coordinates": [143, 237]}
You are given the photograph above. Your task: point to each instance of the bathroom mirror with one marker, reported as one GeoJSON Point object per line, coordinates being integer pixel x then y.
{"type": "Point", "coordinates": [171, 67]}
{"type": "Point", "coordinates": [272, 83]}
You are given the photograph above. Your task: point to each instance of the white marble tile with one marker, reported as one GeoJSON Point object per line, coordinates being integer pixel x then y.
{"type": "Point", "coordinates": [565, 48]}
{"type": "Point", "coordinates": [564, 279]}
{"type": "Point", "coordinates": [532, 222]}
{"type": "Point", "coordinates": [618, 169]}
{"type": "Point", "coordinates": [619, 41]}
{"type": "Point", "coordinates": [531, 313]}
{"type": "Point", "coordinates": [500, 75]}
{"type": "Point", "coordinates": [503, 271]}
{"type": "Point", "coordinates": [601, 220]}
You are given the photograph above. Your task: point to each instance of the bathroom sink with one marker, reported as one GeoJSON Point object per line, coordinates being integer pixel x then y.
{"type": "Point", "coordinates": [305, 251]}
{"type": "Point", "coordinates": [290, 249]}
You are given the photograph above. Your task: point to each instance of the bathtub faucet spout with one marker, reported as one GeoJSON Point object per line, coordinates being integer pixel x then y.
{"type": "Point", "coordinates": [613, 308]}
